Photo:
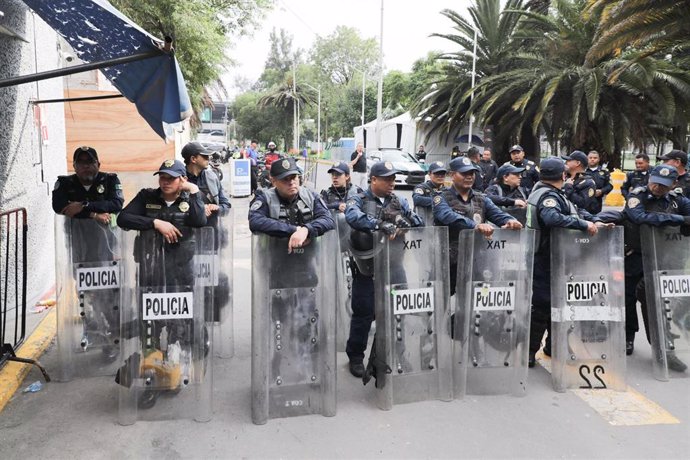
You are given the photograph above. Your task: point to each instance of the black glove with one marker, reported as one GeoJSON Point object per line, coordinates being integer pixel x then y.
{"type": "Point", "coordinates": [401, 222]}
{"type": "Point", "coordinates": [374, 367]}
{"type": "Point", "coordinates": [387, 228]}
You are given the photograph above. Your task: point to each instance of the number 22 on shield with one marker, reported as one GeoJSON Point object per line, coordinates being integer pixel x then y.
{"type": "Point", "coordinates": [598, 371]}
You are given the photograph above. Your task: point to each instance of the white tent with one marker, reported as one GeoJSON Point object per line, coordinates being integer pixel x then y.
{"type": "Point", "coordinates": [396, 133]}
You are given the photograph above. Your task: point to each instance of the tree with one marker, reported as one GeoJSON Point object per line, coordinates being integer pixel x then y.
{"type": "Point", "coordinates": [258, 122]}
{"type": "Point", "coordinates": [344, 53]}
{"type": "Point", "coordinates": [200, 30]}
{"type": "Point", "coordinates": [280, 60]}
{"type": "Point", "coordinates": [284, 98]}
{"type": "Point", "coordinates": [446, 101]}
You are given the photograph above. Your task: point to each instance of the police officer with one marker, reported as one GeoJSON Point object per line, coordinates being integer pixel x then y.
{"type": "Point", "coordinates": [461, 207]}
{"type": "Point", "coordinates": [473, 155]}
{"type": "Point", "coordinates": [89, 193]}
{"type": "Point", "coordinates": [507, 191]}
{"type": "Point", "coordinates": [288, 210]}
{"type": "Point", "coordinates": [196, 159]}
{"type": "Point", "coordinates": [489, 168]}
{"type": "Point", "coordinates": [423, 193]}
{"type": "Point", "coordinates": [421, 154]}
{"type": "Point", "coordinates": [378, 208]}
{"type": "Point", "coordinates": [530, 175]}
{"type": "Point", "coordinates": [679, 160]}
{"type": "Point", "coordinates": [455, 152]}
{"type": "Point", "coordinates": [637, 178]}
{"type": "Point", "coordinates": [601, 177]}
{"type": "Point", "coordinates": [656, 204]}
{"type": "Point", "coordinates": [579, 188]}
{"type": "Point", "coordinates": [341, 189]}
{"type": "Point", "coordinates": [548, 207]}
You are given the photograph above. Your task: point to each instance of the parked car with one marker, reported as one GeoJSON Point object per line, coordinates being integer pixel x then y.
{"type": "Point", "coordinates": [410, 172]}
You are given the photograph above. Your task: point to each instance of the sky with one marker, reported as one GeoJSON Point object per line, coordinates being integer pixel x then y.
{"type": "Point", "coordinates": [407, 25]}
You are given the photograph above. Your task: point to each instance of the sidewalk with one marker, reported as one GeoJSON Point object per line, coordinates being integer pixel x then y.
{"type": "Point", "coordinates": [77, 420]}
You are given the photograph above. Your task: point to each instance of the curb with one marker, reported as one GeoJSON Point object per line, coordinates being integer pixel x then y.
{"type": "Point", "coordinates": [12, 374]}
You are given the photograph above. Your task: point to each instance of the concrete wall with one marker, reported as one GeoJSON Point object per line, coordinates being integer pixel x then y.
{"type": "Point", "coordinates": [29, 165]}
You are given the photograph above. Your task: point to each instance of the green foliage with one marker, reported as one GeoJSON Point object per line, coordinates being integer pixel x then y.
{"type": "Point", "coordinates": [200, 30]}
{"type": "Point", "coordinates": [344, 53]}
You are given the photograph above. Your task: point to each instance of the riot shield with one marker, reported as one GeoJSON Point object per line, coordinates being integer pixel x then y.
{"type": "Point", "coordinates": [426, 213]}
{"type": "Point", "coordinates": [519, 213]}
{"type": "Point", "coordinates": [293, 327]}
{"type": "Point", "coordinates": [412, 317]}
{"type": "Point", "coordinates": [666, 261]}
{"type": "Point", "coordinates": [214, 272]}
{"type": "Point", "coordinates": [343, 282]}
{"type": "Point", "coordinates": [166, 340]}
{"type": "Point", "coordinates": [587, 309]}
{"type": "Point", "coordinates": [492, 311]}
{"type": "Point", "coordinates": [87, 269]}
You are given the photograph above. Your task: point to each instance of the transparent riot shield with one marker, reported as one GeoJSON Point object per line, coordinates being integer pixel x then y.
{"type": "Point", "coordinates": [166, 340]}
{"type": "Point", "coordinates": [492, 311]}
{"type": "Point", "coordinates": [293, 327]}
{"type": "Point", "coordinates": [666, 261]}
{"type": "Point", "coordinates": [343, 282]}
{"type": "Point", "coordinates": [87, 268]}
{"type": "Point", "coordinates": [214, 272]}
{"type": "Point", "coordinates": [587, 309]}
{"type": "Point", "coordinates": [519, 213]}
{"type": "Point", "coordinates": [413, 338]}
{"type": "Point", "coordinates": [426, 213]}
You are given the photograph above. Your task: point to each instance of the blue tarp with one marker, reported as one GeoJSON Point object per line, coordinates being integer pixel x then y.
{"type": "Point", "coordinates": [98, 32]}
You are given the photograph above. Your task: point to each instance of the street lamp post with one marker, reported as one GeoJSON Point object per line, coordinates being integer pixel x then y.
{"type": "Point", "coordinates": [318, 117]}
{"type": "Point", "coordinates": [474, 67]}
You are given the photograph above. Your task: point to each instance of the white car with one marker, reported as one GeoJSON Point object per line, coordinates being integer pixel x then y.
{"type": "Point", "coordinates": [410, 172]}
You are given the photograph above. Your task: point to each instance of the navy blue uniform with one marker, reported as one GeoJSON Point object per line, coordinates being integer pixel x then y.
{"type": "Point", "coordinates": [548, 207]}
{"type": "Point", "coordinates": [261, 221]}
{"type": "Point", "coordinates": [424, 193]}
{"type": "Point", "coordinates": [456, 213]}
{"type": "Point", "coordinates": [334, 197]}
{"type": "Point", "coordinates": [529, 176]}
{"type": "Point", "coordinates": [581, 192]}
{"type": "Point", "coordinates": [602, 180]}
{"type": "Point", "coordinates": [502, 195]}
{"type": "Point", "coordinates": [104, 195]}
{"type": "Point", "coordinates": [644, 208]}
{"type": "Point", "coordinates": [633, 180]}
{"type": "Point", "coordinates": [365, 213]}
{"type": "Point", "coordinates": [683, 186]}
{"type": "Point", "coordinates": [489, 170]}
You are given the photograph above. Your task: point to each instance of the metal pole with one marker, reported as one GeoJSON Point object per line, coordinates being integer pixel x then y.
{"type": "Point", "coordinates": [379, 96]}
{"type": "Point", "coordinates": [294, 107]}
{"type": "Point", "coordinates": [474, 67]}
{"type": "Point", "coordinates": [364, 88]}
{"type": "Point", "coordinates": [318, 126]}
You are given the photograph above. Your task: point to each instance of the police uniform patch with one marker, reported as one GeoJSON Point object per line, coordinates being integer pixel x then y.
{"type": "Point", "coordinates": [439, 163]}
{"type": "Point", "coordinates": [679, 190]}
{"type": "Point", "coordinates": [419, 191]}
{"type": "Point", "coordinates": [603, 173]}
{"type": "Point", "coordinates": [351, 202]}
{"type": "Point", "coordinates": [550, 203]}
{"type": "Point", "coordinates": [527, 168]}
{"type": "Point", "coordinates": [118, 186]}
{"type": "Point", "coordinates": [632, 202]}
{"type": "Point", "coordinates": [665, 172]}
{"type": "Point", "coordinates": [437, 199]}
{"type": "Point", "coordinates": [590, 193]}
{"type": "Point", "coordinates": [100, 188]}
{"type": "Point", "coordinates": [388, 165]}
{"type": "Point", "coordinates": [184, 206]}
{"type": "Point", "coordinates": [477, 218]}
{"type": "Point", "coordinates": [256, 205]}
{"type": "Point", "coordinates": [153, 206]}
{"type": "Point", "coordinates": [285, 164]}
{"type": "Point", "coordinates": [169, 163]}
{"type": "Point", "coordinates": [466, 161]}
{"type": "Point", "coordinates": [84, 148]}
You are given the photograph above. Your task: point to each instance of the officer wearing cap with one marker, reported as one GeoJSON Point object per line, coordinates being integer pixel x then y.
{"type": "Point", "coordinates": [656, 204]}
{"type": "Point", "coordinates": [341, 189]}
{"type": "Point", "coordinates": [88, 193]}
{"type": "Point", "coordinates": [530, 175]}
{"type": "Point", "coordinates": [489, 167]}
{"type": "Point", "coordinates": [637, 178]}
{"type": "Point", "coordinates": [601, 178]}
{"type": "Point", "coordinates": [424, 193]}
{"type": "Point", "coordinates": [460, 207]}
{"type": "Point", "coordinates": [288, 210]}
{"type": "Point", "coordinates": [377, 208]}
{"type": "Point", "coordinates": [175, 203]}
{"type": "Point", "coordinates": [548, 207]}
{"type": "Point", "coordinates": [679, 160]}
{"type": "Point", "coordinates": [507, 191]}
{"type": "Point", "coordinates": [473, 155]}
{"type": "Point", "coordinates": [579, 188]}
{"type": "Point", "coordinates": [196, 160]}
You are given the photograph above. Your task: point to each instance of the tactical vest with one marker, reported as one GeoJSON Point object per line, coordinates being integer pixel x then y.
{"type": "Point", "coordinates": [637, 179]}
{"type": "Point", "coordinates": [533, 207]}
{"type": "Point", "coordinates": [97, 191]}
{"type": "Point", "coordinates": [299, 212]}
{"type": "Point", "coordinates": [210, 186]}
{"type": "Point", "coordinates": [517, 193]}
{"type": "Point", "coordinates": [176, 213]}
{"type": "Point", "coordinates": [373, 207]}
{"type": "Point", "coordinates": [473, 210]}
{"type": "Point", "coordinates": [334, 196]}
{"type": "Point", "coordinates": [632, 231]}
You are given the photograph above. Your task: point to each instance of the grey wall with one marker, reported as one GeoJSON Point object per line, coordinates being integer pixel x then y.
{"type": "Point", "coordinates": [29, 167]}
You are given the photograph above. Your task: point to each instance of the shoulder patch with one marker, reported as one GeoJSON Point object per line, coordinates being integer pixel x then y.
{"type": "Point", "coordinates": [678, 190]}
{"type": "Point", "coordinates": [633, 202]}
{"type": "Point", "coordinates": [256, 205]}
{"type": "Point", "coordinates": [590, 192]}
{"type": "Point", "coordinates": [437, 199]}
{"type": "Point", "coordinates": [351, 202]}
{"type": "Point", "coordinates": [550, 203]}
{"type": "Point", "coordinates": [419, 191]}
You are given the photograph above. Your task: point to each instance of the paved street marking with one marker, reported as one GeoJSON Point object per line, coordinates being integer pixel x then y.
{"type": "Point", "coordinates": [620, 408]}
{"type": "Point", "coordinates": [12, 374]}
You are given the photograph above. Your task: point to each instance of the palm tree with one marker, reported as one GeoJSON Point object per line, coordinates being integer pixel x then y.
{"type": "Point", "coordinates": [286, 97]}
{"type": "Point", "coordinates": [653, 27]}
{"type": "Point", "coordinates": [553, 89]}
{"type": "Point", "coordinates": [446, 103]}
